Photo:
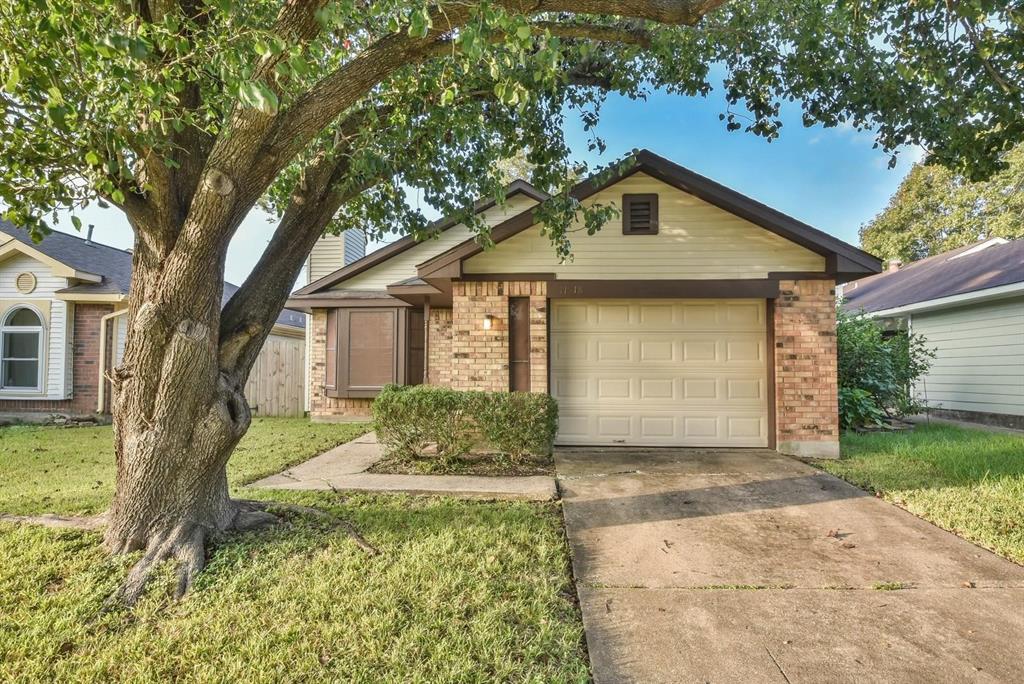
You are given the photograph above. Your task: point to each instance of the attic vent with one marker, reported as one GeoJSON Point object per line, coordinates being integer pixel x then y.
{"type": "Point", "coordinates": [640, 214]}
{"type": "Point", "coordinates": [25, 282]}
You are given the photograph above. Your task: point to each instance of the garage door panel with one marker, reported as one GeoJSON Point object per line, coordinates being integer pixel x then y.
{"type": "Point", "coordinates": [660, 373]}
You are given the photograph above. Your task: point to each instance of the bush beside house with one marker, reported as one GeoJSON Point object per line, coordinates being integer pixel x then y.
{"type": "Point", "coordinates": [412, 420]}
{"type": "Point", "coordinates": [877, 371]}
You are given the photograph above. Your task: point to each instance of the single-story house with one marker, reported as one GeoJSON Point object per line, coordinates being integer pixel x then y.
{"type": "Point", "coordinates": [63, 324]}
{"type": "Point", "coordinates": [968, 304]}
{"type": "Point", "coordinates": [700, 317]}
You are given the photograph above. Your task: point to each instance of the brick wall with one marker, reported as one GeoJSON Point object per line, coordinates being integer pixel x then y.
{"type": "Point", "coordinates": [806, 401]}
{"type": "Point", "coordinates": [439, 347]}
{"type": "Point", "coordinates": [479, 356]}
{"type": "Point", "coordinates": [85, 367]}
{"type": "Point", "coordinates": [322, 407]}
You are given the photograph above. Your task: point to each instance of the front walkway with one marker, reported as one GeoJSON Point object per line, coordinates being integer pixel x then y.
{"type": "Point", "coordinates": [747, 566]}
{"type": "Point", "coordinates": [343, 468]}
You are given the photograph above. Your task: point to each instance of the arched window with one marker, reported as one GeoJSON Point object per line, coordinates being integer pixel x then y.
{"type": "Point", "coordinates": [21, 350]}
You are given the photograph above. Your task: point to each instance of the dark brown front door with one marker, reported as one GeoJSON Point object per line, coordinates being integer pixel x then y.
{"type": "Point", "coordinates": [519, 344]}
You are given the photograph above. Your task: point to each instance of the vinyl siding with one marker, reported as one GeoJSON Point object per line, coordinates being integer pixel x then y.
{"type": "Point", "coordinates": [56, 374]}
{"type": "Point", "coordinates": [696, 240]}
{"type": "Point", "coordinates": [979, 364]}
{"type": "Point", "coordinates": [331, 252]}
{"type": "Point", "coordinates": [403, 266]}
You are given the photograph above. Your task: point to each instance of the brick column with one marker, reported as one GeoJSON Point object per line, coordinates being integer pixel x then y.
{"type": "Point", "coordinates": [439, 347]}
{"type": "Point", "coordinates": [479, 356]}
{"type": "Point", "coordinates": [806, 399]}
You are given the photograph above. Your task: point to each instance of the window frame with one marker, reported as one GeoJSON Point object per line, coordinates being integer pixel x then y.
{"type": "Point", "coordinates": [41, 338]}
{"type": "Point", "coordinates": [627, 201]}
{"type": "Point", "coordinates": [341, 318]}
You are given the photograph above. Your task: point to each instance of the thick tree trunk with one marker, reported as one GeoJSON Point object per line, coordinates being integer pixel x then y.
{"type": "Point", "coordinates": [177, 419]}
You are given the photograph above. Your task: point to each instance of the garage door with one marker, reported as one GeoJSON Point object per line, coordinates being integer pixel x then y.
{"type": "Point", "coordinates": [688, 372]}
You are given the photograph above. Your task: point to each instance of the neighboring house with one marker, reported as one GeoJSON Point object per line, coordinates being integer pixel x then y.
{"type": "Point", "coordinates": [700, 318]}
{"type": "Point", "coordinates": [63, 324]}
{"type": "Point", "coordinates": [969, 305]}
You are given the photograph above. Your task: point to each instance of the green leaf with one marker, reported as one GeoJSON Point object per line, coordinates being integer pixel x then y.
{"type": "Point", "coordinates": [523, 32]}
{"type": "Point", "coordinates": [419, 23]}
{"type": "Point", "coordinates": [257, 95]}
{"type": "Point", "coordinates": [92, 159]}
{"type": "Point", "coordinates": [13, 79]}
{"type": "Point", "coordinates": [76, 222]}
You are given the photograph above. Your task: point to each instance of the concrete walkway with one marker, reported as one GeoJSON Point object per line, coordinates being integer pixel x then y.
{"type": "Point", "coordinates": [747, 566]}
{"type": "Point", "coordinates": [343, 468]}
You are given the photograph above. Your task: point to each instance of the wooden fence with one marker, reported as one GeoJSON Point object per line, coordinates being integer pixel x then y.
{"type": "Point", "coordinates": [276, 384]}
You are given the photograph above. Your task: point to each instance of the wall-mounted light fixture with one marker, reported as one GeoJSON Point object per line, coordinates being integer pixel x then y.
{"type": "Point", "coordinates": [488, 322]}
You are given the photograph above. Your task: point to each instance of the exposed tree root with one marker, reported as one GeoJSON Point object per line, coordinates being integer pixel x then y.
{"type": "Point", "coordinates": [185, 544]}
{"type": "Point", "coordinates": [93, 522]}
{"type": "Point", "coordinates": [333, 520]}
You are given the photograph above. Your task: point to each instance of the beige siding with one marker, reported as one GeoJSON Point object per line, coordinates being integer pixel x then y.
{"type": "Point", "coordinates": [57, 322]}
{"type": "Point", "coordinates": [979, 364]}
{"type": "Point", "coordinates": [696, 240]}
{"type": "Point", "coordinates": [403, 266]}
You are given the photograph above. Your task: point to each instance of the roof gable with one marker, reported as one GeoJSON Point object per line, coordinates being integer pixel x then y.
{"type": "Point", "coordinates": [842, 260]}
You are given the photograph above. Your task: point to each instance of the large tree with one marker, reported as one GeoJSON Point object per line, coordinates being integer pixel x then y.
{"type": "Point", "coordinates": [185, 114]}
{"type": "Point", "coordinates": [937, 209]}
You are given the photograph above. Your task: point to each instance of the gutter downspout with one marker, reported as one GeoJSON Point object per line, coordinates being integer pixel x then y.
{"type": "Point", "coordinates": [101, 393]}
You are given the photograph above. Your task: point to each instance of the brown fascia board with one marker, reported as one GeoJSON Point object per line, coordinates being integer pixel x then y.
{"type": "Point", "coordinates": [514, 188]}
{"type": "Point", "coordinates": [841, 258]}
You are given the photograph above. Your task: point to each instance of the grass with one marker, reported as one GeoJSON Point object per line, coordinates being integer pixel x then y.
{"type": "Point", "coordinates": [71, 470]}
{"type": "Point", "coordinates": [970, 482]}
{"type": "Point", "coordinates": [460, 592]}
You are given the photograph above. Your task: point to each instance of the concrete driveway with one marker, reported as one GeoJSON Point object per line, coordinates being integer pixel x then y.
{"type": "Point", "coordinates": [747, 566]}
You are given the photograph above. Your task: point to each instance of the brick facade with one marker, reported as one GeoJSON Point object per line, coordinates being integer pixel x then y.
{"type": "Point", "coordinates": [321, 406]}
{"type": "Point", "coordinates": [85, 369]}
{"type": "Point", "coordinates": [806, 389]}
{"type": "Point", "coordinates": [479, 356]}
{"type": "Point", "coordinates": [439, 347]}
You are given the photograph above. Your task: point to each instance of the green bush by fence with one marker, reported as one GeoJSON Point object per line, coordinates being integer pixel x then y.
{"type": "Point", "coordinates": [410, 419]}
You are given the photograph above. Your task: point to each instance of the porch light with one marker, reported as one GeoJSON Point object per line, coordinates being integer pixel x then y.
{"type": "Point", "coordinates": [488, 321]}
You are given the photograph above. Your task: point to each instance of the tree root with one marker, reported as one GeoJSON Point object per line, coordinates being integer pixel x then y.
{"type": "Point", "coordinates": [93, 522]}
{"type": "Point", "coordinates": [333, 520]}
{"type": "Point", "coordinates": [185, 544]}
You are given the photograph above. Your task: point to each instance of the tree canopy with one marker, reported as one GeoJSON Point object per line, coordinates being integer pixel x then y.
{"type": "Point", "coordinates": [937, 209]}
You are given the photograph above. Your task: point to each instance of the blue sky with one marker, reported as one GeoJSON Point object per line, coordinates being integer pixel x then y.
{"type": "Point", "coordinates": [830, 178]}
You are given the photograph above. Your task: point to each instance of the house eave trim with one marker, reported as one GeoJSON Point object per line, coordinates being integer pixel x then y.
{"type": "Point", "coordinates": [987, 294]}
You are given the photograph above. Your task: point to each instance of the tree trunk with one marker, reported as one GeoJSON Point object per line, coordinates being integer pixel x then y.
{"type": "Point", "coordinates": [177, 419]}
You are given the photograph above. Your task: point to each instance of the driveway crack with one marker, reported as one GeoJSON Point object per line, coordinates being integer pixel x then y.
{"type": "Point", "coordinates": [779, 667]}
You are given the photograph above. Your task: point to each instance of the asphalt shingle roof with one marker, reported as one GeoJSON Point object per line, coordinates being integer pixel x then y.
{"type": "Point", "coordinates": [942, 275]}
{"type": "Point", "coordinates": [112, 264]}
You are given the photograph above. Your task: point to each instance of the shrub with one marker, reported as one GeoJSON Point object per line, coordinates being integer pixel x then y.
{"type": "Point", "coordinates": [410, 419]}
{"type": "Point", "coordinates": [517, 424]}
{"type": "Point", "coordinates": [877, 372]}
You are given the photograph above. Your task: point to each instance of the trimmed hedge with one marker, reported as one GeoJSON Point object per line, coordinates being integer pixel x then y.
{"type": "Point", "coordinates": [409, 419]}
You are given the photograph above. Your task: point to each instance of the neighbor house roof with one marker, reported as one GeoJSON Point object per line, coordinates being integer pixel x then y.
{"type": "Point", "coordinates": [112, 267]}
{"type": "Point", "coordinates": [842, 260]}
{"type": "Point", "coordinates": [985, 265]}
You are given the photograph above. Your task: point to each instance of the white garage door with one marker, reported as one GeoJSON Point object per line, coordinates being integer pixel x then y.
{"type": "Point", "coordinates": [660, 372]}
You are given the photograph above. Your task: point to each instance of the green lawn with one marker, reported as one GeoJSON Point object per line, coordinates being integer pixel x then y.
{"type": "Point", "coordinates": [460, 591]}
{"type": "Point", "coordinates": [970, 482]}
{"type": "Point", "coordinates": [71, 470]}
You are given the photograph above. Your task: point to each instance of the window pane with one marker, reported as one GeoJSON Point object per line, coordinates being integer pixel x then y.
{"type": "Point", "coordinates": [20, 373]}
{"type": "Point", "coordinates": [371, 348]}
{"type": "Point", "coordinates": [21, 345]}
{"type": "Point", "coordinates": [23, 318]}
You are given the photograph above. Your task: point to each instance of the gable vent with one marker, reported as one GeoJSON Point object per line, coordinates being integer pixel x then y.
{"type": "Point", "coordinates": [640, 214]}
{"type": "Point", "coordinates": [25, 283]}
